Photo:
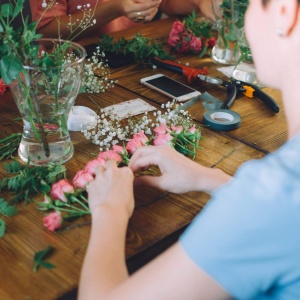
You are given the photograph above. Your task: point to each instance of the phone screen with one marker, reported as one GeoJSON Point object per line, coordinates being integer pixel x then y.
{"type": "Point", "coordinates": [170, 86]}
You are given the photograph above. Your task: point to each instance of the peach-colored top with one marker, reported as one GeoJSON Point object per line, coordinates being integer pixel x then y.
{"type": "Point", "coordinates": [66, 7]}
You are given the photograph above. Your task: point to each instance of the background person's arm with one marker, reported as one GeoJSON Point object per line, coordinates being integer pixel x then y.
{"type": "Point", "coordinates": [179, 7]}
{"type": "Point", "coordinates": [103, 13]}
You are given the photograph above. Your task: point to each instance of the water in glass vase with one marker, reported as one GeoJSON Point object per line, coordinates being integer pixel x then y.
{"type": "Point", "coordinates": [52, 143]}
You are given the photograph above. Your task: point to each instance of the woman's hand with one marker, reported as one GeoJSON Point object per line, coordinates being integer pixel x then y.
{"type": "Point", "coordinates": [179, 174]}
{"type": "Point", "coordinates": [140, 10]}
{"type": "Point", "coordinates": [112, 187]}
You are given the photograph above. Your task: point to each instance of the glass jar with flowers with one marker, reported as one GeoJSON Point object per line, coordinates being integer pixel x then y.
{"type": "Point", "coordinates": [226, 50]}
{"type": "Point", "coordinates": [244, 69]}
{"type": "Point", "coordinates": [44, 76]}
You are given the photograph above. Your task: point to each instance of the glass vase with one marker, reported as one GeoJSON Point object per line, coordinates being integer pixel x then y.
{"type": "Point", "coordinates": [45, 92]}
{"type": "Point", "coordinates": [226, 50]}
{"type": "Point", "coordinates": [245, 68]}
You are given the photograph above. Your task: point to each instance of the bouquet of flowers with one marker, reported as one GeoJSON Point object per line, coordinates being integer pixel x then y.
{"type": "Point", "coordinates": [191, 36]}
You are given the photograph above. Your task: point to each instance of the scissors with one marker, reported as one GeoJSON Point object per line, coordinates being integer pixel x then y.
{"type": "Point", "coordinates": [233, 87]}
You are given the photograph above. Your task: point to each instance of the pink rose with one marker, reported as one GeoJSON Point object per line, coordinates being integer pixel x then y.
{"type": "Point", "coordinates": [173, 40]}
{"type": "Point", "coordinates": [82, 178]}
{"type": "Point", "coordinates": [132, 145]}
{"type": "Point", "coordinates": [2, 86]}
{"type": "Point", "coordinates": [110, 155]}
{"type": "Point", "coordinates": [195, 44]}
{"type": "Point", "coordinates": [141, 137]}
{"type": "Point", "coordinates": [183, 47]}
{"type": "Point", "coordinates": [60, 188]}
{"type": "Point", "coordinates": [192, 129]}
{"type": "Point", "coordinates": [91, 166]}
{"type": "Point", "coordinates": [119, 149]}
{"type": "Point", "coordinates": [162, 139]}
{"type": "Point", "coordinates": [177, 129]}
{"type": "Point", "coordinates": [178, 27]}
{"type": "Point", "coordinates": [162, 129]}
{"type": "Point", "coordinates": [211, 42]}
{"type": "Point", "coordinates": [53, 221]}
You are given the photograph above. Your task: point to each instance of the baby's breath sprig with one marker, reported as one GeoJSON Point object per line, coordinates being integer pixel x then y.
{"type": "Point", "coordinates": [111, 130]}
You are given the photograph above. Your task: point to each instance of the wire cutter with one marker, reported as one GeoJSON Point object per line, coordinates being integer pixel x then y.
{"type": "Point", "coordinates": [233, 86]}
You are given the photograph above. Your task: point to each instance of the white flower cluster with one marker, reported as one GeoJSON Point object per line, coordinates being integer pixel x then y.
{"type": "Point", "coordinates": [111, 130]}
{"type": "Point", "coordinates": [85, 22]}
{"type": "Point", "coordinates": [96, 65]}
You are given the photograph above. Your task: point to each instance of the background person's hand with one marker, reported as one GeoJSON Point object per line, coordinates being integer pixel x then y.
{"type": "Point", "coordinates": [141, 10]}
{"type": "Point", "coordinates": [179, 174]}
{"type": "Point", "coordinates": [112, 187]}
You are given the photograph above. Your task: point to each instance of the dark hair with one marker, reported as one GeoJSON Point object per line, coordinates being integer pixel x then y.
{"type": "Point", "coordinates": [266, 1]}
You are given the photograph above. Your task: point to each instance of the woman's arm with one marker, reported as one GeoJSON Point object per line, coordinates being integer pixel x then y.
{"type": "Point", "coordinates": [179, 7]}
{"type": "Point", "coordinates": [173, 275]}
{"type": "Point", "coordinates": [103, 13]}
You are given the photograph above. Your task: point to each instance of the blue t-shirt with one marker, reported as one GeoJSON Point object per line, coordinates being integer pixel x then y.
{"type": "Point", "coordinates": [248, 236]}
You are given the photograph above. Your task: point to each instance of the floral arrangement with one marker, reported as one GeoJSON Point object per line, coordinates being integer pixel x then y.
{"type": "Point", "coordinates": [174, 128]}
{"type": "Point", "coordinates": [191, 36]}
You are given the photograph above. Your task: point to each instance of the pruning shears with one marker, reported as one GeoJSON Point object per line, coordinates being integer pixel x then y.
{"type": "Point", "coordinates": [233, 87]}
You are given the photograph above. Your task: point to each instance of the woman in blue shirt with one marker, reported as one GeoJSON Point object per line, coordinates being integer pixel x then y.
{"type": "Point", "coordinates": [246, 250]}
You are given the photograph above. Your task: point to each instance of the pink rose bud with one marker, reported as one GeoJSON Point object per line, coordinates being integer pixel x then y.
{"type": "Point", "coordinates": [163, 139]}
{"type": "Point", "coordinates": [91, 166]}
{"type": "Point", "coordinates": [60, 188]}
{"type": "Point", "coordinates": [162, 129]}
{"type": "Point", "coordinates": [82, 178]}
{"type": "Point", "coordinates": [177, 129]}
{"type": "Point", "coordinates": [2, 87]}
{"type": "Point", "coordinates": [178, 27]}
{"type": "Point", "coordinates": [192, 129]}
{"type": "Point", "coordinates": [110, 155]}
{"type": "Point", "coordinates": [132, 145]}
{"type": "Point", "coordinates": [141, 137]}
{"type": "Point", "coordinates": [53, 221]}
{"type": "Point", "coordinates": [119, 149]}
{"type": "Point", "coordinates": [173, 40]}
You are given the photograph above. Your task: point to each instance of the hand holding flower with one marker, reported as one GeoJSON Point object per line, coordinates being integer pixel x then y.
{"type": "Point", "coordinates": [112, 187]}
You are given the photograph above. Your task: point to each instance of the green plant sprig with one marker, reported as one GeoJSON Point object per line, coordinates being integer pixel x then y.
{"type": "Point", "coordinates": [9, 145]}
{"type": "Point", "coordinates": [141, 47]}
{"type": "Point", "coordinates": [39, 257]}
{"type": "Point", "coordinates": [26, 181]}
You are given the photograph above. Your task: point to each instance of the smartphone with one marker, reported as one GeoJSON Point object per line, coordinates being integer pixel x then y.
{"type": "Point", "coordinates": [170, 87]}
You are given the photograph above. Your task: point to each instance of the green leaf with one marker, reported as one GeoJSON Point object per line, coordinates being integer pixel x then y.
{"type": "Point", "coordinates": [39, 259]}
{"type": "Point", "coordinates": [6, 209]}
{"type": "Point", "coordinates": [10, 66]}
{"type": "Point", "coordinates": [2, 228]}
{"type": "Point", "coordinates": [18, 7]}
{"type": "Point", "coordinates": [6, 10]}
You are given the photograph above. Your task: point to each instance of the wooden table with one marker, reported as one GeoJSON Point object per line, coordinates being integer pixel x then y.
{"type": "Point", "coordinates": [156, 223]}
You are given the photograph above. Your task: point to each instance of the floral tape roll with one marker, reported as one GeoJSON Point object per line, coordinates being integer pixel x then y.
{"type": "Point", "coordinates": [222, 119]}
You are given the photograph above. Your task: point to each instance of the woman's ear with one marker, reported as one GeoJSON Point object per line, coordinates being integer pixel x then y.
{"type": "Point", "coordinates": [287, 14]}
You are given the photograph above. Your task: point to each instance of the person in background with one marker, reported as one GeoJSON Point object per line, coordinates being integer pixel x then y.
{"type": "Point", "coordinates": [244, 244]}
{"type": "Point", "coordinates": [56, 17]}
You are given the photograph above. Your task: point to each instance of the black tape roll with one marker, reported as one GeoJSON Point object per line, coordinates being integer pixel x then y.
{"type": "Point", "coordinates": [222, 119]}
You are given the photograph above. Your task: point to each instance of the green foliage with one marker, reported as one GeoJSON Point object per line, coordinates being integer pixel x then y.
{"type": "Point", "coordinates": [9, 145]}
{"type": "Point", "coordinates": [26, 181]}
{"type": "Point", "coordinates": [200, 29]}
{"type": "Point", "coordinates": [141, 47]}
{"type": "Point", "coordinates": [15, 46]}
{"type": "Point", "coordinates": [39, 259]}
{"type": "Point", "coordinates": [6, 209]}
{"type": "Point", "coordinates": [2, 228]}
